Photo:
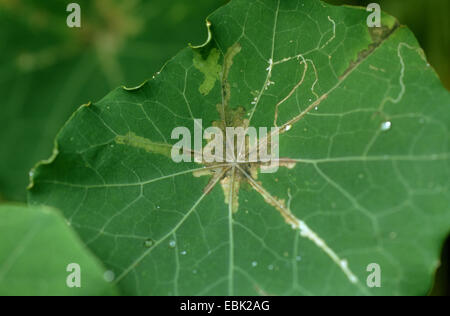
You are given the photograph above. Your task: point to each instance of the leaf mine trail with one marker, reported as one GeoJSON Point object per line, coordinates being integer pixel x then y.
{"type": "Point", "coordinates": [304, 230]}
{"type": "Point", "coordinates": [290, 219]}
{"type": "Point", "coordinates": [295, 223]}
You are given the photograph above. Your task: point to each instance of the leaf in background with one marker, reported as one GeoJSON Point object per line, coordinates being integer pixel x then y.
{"type": "Point", "coordinates": [47, 70]}
{"type": "Point", "coordinates": [36, 248]}
{"type": "Point", "coordinates": [363, 146]}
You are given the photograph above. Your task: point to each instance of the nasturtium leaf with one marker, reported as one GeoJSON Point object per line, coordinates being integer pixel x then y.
{"type": "Point", "coordinates": [37, 253]}
{"type": "Point", "coordinates": [48, 69]}
{"type": "Point", "coordinates": [364, 162]}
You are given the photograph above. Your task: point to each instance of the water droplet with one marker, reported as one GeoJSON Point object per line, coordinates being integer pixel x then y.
{"type": "Point", "coordinates": [270, 267]}
{"type": "Point", "coordinates": [298, 258]}
{"type": "Point", "coordinates": [254, 264]}
{"type": "Point", "coordinates": [157, 206]}
{"type": "Point", "coordinates": [288, 127]}
{"type": "Point", "coordinates": [316, 108]}
{"type": "Point", "coordinates": [194, 271]}
{"type": "Point", "coordinates": [386, 126]}
{"type": "Point", "coordinates": [183, 252]}
{"type": "Point", "coordinates": [109, 276]}
{"type": "Point", "coordinates": [309, 100]}
{"type": "Point", "coordinates": [31, 174]}
{"type": "Point", "coordinates": [172, 244]}
{"type": "Point", "coordinates": [149, 243]}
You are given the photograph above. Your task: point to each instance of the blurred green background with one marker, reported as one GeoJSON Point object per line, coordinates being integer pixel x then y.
{"type": "Point", "coordinates": [47, 70]}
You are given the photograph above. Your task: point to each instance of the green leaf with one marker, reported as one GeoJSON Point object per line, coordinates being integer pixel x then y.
{"type": "Point", "coordinates": [364, 167]}
{"type": "Point", "coordinates": [47, 69]}
{"type": "Point", "coordinates": [36, 249]}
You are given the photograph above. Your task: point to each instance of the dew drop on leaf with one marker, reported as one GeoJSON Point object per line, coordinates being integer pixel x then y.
{"type": "Point", "coordinates": [386, 126]}
{"type": "Point", "coordinates": [149, 243]}
{"type": "Point", "coordinates": [109, 276]}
